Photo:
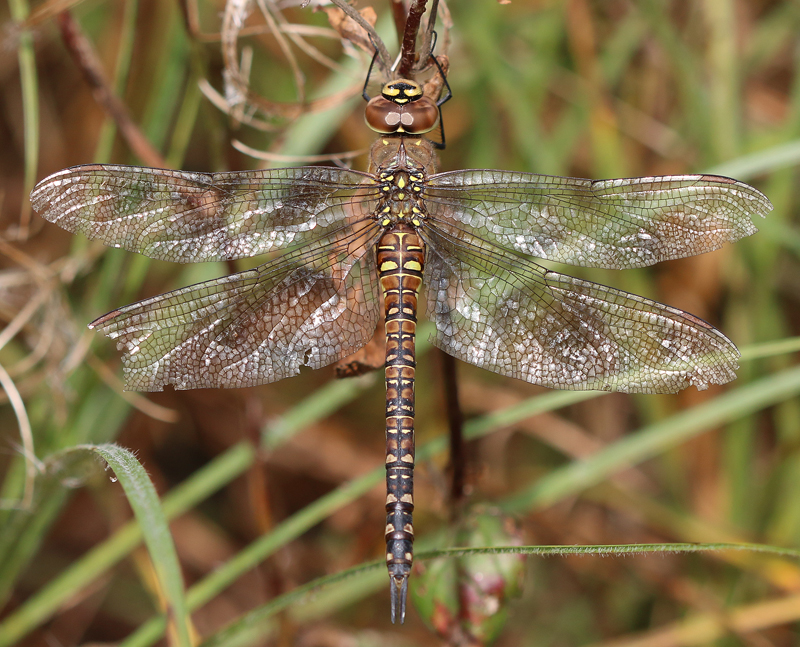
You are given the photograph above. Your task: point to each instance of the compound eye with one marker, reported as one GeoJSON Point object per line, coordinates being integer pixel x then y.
{"type": "Point", "coordinates": [420, 116]}
{"type": "Point", "coordinates": [383, 116]}
{"type": "Point", "coordinates": [415, 118]}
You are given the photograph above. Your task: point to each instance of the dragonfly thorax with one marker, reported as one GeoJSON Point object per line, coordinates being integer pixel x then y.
{"type": "Point", "coordinates": [401, 108]}
{"type": "Point", "coordinates": [402, 197]}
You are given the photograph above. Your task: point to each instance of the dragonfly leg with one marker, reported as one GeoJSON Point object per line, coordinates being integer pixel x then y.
{"type": "Point", "coordinates": [369, 72]}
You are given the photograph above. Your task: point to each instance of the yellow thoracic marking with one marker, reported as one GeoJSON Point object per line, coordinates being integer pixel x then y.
{"type": "Point", "coordinates": [401, 196]}
{"type": "Point", "coordinates": [391, 91]}
{"type": "Point", "coordinates": [401, 183]}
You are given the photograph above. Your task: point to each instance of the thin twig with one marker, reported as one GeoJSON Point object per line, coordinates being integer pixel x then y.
{"type": "Point", "coordinates": [24, 315]}
{"type": "Point", "coordinates": [282, 26]}
{"type": "Point", "coordinates": [32, 464]}
{"type": "Point", "coordinates": [87, 61]}
{"type": "Point", "coordinates": [384, 60]}
{"type": "Point", "coordinates": [47, 10]}
{"type": "Point", "coordinates": [191, 19]}
{"type": "Point", "coordinates": [426, 44]}
{"type": "Point", "coordinates": [408, 49]}
{"type": "Point", "coordinates": [455, 421]}
{"type": "Point", "coordinates": [438, 11]}
{"type": "Point", "coordinates": [294, 159]}
{"type": "Point", "coordinates": [272, 23]}
{"type": "Point", "coordinates": [136, 400]}
{"type": "Point", "coordinates": [237, 90]}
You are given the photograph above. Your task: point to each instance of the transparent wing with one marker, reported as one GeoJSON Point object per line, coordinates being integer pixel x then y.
{"type": "Point", "coordinates": [191, 217]}
{"type": "Point", "coordinates": [614, 224]}
{"type": "Point", "coordinates": [503, 312]}
{"type": "Point", "coordinates": [311, 306]}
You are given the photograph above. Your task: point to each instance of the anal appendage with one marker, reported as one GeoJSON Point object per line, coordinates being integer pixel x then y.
{"type": "Point", "coordinates": [398, 587]}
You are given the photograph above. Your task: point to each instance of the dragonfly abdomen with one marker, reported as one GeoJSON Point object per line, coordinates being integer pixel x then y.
{"type": "Point", "coordinates": [400, 260]}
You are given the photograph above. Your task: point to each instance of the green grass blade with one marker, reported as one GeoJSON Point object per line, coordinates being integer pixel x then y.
{"type": "Point", "coordinates": [656, 438]}
{"type": "Point", "coordinates": [24, 530]}
{"type": "Point", "coordinates": [562, 482]}
{"type": "Point", "coordinates": [325, 506]}
{"type": "Point", "coordinates": [57, 592]}
{"type": "Point", "coordinates": [748, 166]}
{"type": "Point", "coordinates": [127, 39]}
{"type": "Point", "coordinates": [146, 506]}
{"type": "Point", "coordinates": [30, 105]}
{"type": "Point", "coordinates": [613, 549]}
{"type": "Point", "coordinates": [236, 631]}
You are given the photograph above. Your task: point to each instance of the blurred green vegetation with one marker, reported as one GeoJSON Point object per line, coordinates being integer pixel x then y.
{"type": "Point", "coordinates": [592, 89]}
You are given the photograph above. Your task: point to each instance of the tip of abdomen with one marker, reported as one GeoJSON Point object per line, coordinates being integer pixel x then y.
{"type": "Point", "coordinates": [398, 585]}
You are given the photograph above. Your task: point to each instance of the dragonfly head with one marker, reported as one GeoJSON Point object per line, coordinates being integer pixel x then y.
{"type": "Point", "coordinates": [402, 108]}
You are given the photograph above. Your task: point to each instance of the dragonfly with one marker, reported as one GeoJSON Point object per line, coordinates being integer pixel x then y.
{"type": "Point", "coordinates": [345, 247]}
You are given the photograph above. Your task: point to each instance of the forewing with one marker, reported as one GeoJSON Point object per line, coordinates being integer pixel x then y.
{"type": "Point", "coordinates": [505, 313]}
{"type": "Point", "coordinates": [309, 307]}
{"type": "Point", "coordinates": [190, 217]}
{"type": "Point", "coordinates": [616, 224]}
